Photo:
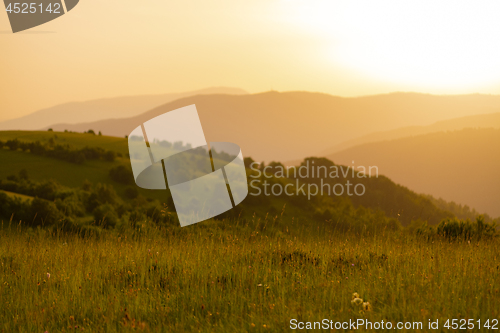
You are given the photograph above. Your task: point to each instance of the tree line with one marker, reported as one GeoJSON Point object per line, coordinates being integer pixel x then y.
{"type": "Point", "coordinates": [61, 152]}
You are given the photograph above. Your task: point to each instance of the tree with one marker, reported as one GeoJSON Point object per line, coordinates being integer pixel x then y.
{"type": "Point", "coordinates": [248, 162]}
{"type": "Point", "coordinates": [122, 175]}
{"type": "Point", "coordinates": [44, 212]}
{"type": "Point", "coordinates": [109, 156]}
{"type": "Point", "coordinates": [101, 194]}
{"type": "Point", "coordinates": [12, 144]}
{"type": "Point", "coordinates": [86, 186]}
{"type": "Point", "coordinates": [131, 192]}
{"type": "Point", "coordinates": [106, 216]}
{"type": "Point", "coordinates": [23, 174]}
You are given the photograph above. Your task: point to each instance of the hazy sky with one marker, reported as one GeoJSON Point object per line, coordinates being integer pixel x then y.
{"type": "Point", "coordinates": [348, 48]}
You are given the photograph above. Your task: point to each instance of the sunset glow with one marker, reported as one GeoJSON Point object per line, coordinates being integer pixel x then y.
{"type": "Point", "coordinates": [440, 46]}
{"type": "Point", "coordinates": [344, 48]}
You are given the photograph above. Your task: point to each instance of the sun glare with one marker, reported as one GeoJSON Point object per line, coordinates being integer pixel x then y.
{"type": "Point", "coordinates": [433, 44]}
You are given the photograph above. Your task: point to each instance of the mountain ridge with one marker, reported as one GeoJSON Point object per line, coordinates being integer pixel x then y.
{"type": "Point", "coordinates": [458, 166]}
{"type": "Point", "coordinates": [102, 108]}
{"type": "Point", "coordinates": [264, 124]}
{"type": "Point", "coordinates": [489, 120]}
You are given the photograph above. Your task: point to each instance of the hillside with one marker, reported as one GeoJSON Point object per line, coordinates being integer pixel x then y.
{"type": "Point", "coordinates": [292, 125]}
{"type": "Point", "coordinates": [460, 166]}
{"type": "Point", "coordinates": [477, 121]}
{"type": "Point", "coordinates": [384, 200]}
{"type": "Point", "coordinates": [93, 110]}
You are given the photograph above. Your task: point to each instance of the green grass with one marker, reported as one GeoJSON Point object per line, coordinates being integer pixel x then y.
{"type": "Point", "coordinates": [72, 175]}
{"type": "Point", "coordinates": [76, 140]}
{"type": "Point", "coordinates": [17, 195]}
{"type": "Point", "coordinates": [43, 168]}
{"type": "Point", "coordinates": [225, 276]}
{"type": "Point", "coordinates": [215, 277]}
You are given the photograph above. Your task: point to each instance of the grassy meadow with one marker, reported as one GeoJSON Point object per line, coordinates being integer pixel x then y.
{"type": "Point", "coordinates": [227, 276]}
{"type": "Point", "coordinates": [84, 249]}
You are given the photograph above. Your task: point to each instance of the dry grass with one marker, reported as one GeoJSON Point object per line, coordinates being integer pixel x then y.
{"type": "Point", "coordinates": [215, 278]}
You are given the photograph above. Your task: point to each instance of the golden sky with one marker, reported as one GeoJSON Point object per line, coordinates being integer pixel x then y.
{"type": "Point", "coordinates": [347, 48]}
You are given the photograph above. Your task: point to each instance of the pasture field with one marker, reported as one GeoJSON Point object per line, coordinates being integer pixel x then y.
{"type": "Point", "coordinates": [233, 276]}
{"type": "Point", "coordinates": [76, 140]}
{"type": "Point", "coordinates": [44, 168]}
{"type": "Point", "coordinates": [41, 168]}
{"type": "Point", "coordinates": [17, 195]}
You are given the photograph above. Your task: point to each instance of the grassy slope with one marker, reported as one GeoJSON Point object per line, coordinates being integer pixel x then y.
{"type": "Point", "coordinates": [17, 195]}
{"type": "Point", "coordinates": [460, 166]}
{"type": "Point", "coordinates": [213, 277]}
{"type": "Point", "coordinates": [77, 140]}
{"type": "Point", "coordinates": [73, 175]}
{"type": "Point", "coordinates": [41, 168]}
{"type": "Point", "coordinates": [66, 173]}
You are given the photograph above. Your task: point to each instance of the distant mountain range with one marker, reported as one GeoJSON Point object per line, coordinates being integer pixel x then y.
{"type": "Point", "coordinates": [420, 141]}
{"type": "Point", "coordinates": [93, 110]}
{"type": "Point", "coordinates": [477, 121]}
{"type": "Point", "coordinates": [292, 125]}
{"type": "Point", "coordinates": [383, 197]}
{"type": "Point", "coordinates": [460, 166]}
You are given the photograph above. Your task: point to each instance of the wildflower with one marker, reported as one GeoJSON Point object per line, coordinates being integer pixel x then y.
{"type": "Point", "coordinates": [71, 318]}
{"type": "Point", "coordinates": [367, 306]}
{"type": "Point", "coordinates": [357, 301]}
{"type": "Point", "coordinates": [355, 295]}
{"type": "Point", "coordinates": [252, 324]}
{"type": "Point", "coordinates": [48, 275]}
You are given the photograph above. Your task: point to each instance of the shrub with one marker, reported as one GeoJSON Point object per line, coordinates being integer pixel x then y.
{"type": "Point", "coordinates": [45, 190]}
{"type": "Point", "coordinates": [131, 192]}
{"type": "Point", "coordinates": [106, 216]}
{"type": "Point", "coordinates": [109, 156]}
{"type": "Point", "coordinates": [122, 175]}
{"type": "Point", "coordinates": [456, 229]}
{"type": "Point", "coordinates": [101, 194]}
{"type": "Point", "coordinates": [44, 212]}
{"type": "Point", "coordinates": [71, 205]}
{"type": "Point", "coordinates": [13, 144]}
{"type": "Point", "coordinates": [23, 174]}
{"type": "Point", "coordinates": [13, 207]}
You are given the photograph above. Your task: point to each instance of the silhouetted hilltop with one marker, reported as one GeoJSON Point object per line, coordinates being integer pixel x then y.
{"type": "Point", "coordinates": [104, 108]}
{"type": "Point", "coordinates": [293, 125]}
